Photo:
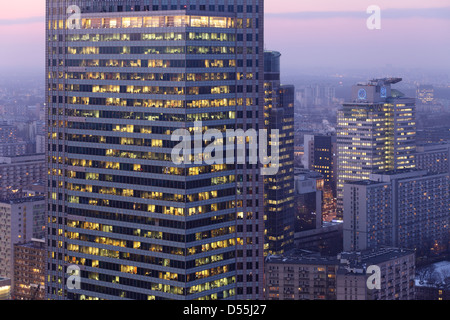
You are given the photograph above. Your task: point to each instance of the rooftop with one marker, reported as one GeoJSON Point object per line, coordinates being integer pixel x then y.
{"type": "Point", "coordinates": [23, 200]}
{"type": "Point", "coordinates": [354, 260]}
{"type": "Point", "coordinates": [298, 256]}
{"type": "Point", "coordinates": [365, 182]}
{"type": "Point", "coordinates": [361, 259]}
{"type": "Point", "coordinates": [33, 244]}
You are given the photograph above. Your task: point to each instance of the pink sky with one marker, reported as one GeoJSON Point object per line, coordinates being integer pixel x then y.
{"type": "Point", "coordinates": [31, 8]}
{"type": "Point", "coordinates": [337, 40]}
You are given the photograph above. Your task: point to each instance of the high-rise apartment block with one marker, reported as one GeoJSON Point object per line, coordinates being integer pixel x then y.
{"type": "Point", "coordinates": [376, 131]}
{"type": "Point", "coordinates": [10, 144]}
{"type": "Point", "coordinates": [19, 172]}
{"type": "Point", "coordinates": [406, 209]}
{"type": "Point", "coordinates": [120, 82]}
{"type": "Point", "coordinates": [279, 204]}
{"type": "Point", "coordinates": [433, 157]}
{"type": "Point", "coordinates": [20, 220]}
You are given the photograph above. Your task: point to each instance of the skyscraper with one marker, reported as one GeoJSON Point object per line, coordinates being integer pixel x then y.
{"type": "Point", "coordinates": [375, 132]}
{"type": "Point", "coordinates": [320, 156]}
{"type": "Point", "coordinates": [121, 78]}
{"type": "Point", "coordinates": [279, 208]}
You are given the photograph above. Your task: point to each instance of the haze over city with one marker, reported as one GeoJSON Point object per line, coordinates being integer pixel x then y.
{"type": "Point", "coordinates": [317, 35]}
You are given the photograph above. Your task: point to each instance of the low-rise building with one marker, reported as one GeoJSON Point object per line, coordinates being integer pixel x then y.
{"type": "Point", "coordinates": [433, 282]}
{"type": "Point", "coordinates": [5, 289]}
{"type": "Point", "coordinates": [303, 275]}
{"type": "Point", "coordinates": [20, 221]}
{"type": "Point", "coordinates": [29, 270]}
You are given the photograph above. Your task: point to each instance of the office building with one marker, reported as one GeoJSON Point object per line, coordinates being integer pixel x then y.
{"type": "Point", "coordinates": [20, 220]}
{"type": "Point", "coordinates": [326, 240]}
{"type": "Point", "coordinates": [279, 188]}
{"type": "Point", "coordinates": [309, 186]}
{"type": "Point", "coordinates": [316, 95]}
{"type": "Point", "coordinates": [321, 156]}
{"type": "Point", "coordinates": [29, 270]}
{"type": "Point", "coordinates": [19, 172]}
{"type": "Point", "coordinates": [303, 275]}
{"type": "Point", "coordinates": [138, 225]}
{"type": "Point", "coordinates": [5, 289]}
{"type": "Point", "coordinates": [406, 209]}
{"type": "Point", "coordinates": [375, 132]}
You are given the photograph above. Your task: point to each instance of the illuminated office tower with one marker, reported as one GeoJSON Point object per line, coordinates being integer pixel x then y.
{"type": "Point", "coordinates": [376, 131]}
{"type": "Point", "coordinates": [279, 208]}
{"type": "Point", "coordinates": [320, 156]}
{"type": "Point", "coordinates": [136, 224]}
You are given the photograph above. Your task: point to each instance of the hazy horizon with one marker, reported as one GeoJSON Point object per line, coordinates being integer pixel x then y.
{"type": "Point", "coordinates": [310, 34]}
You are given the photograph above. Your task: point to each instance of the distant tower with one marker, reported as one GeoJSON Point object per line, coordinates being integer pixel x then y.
{"type": "Point", "coordinates": [376, 131]}
{"type": "Point", "coordinates": [425, 94]}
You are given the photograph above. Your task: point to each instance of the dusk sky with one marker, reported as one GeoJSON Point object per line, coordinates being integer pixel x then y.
{"type": "Point", "coordinates": [309, 33]}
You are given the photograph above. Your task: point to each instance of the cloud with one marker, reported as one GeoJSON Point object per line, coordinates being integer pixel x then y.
{"type": "Point", "coordinates": [428, 13]}
{"type": "Point", "coordinates": [22, 21]}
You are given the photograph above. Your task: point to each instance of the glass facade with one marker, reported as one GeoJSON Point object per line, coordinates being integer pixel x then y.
{"type": "Point", "coordinates": [136, 224]}
{"type": "Point", "coordinates": [279, 211]}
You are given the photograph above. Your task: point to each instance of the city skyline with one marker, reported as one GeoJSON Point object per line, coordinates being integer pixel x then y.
{"type": "Point", "coordinates": [309, 34]}
{"type": "Point", "coordinates": [231, 150]}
